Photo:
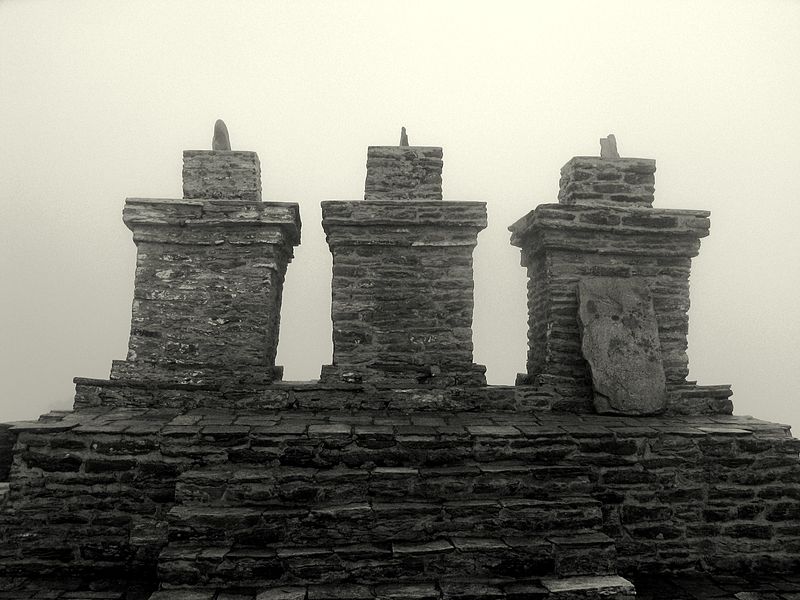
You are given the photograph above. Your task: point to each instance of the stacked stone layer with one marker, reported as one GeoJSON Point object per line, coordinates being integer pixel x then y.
{"type": "Point", "coordinates": [608, 182]}
{"type": "Point", "coordinates": [545, 393]}
{"type": "Point", "coordinates": [402, 290]}
{"type": "Point", "coordinates": [234, 498]}
{"type": "Point", "coordinates": [221, 174]}
{"type": "Point", "coordinates": [563, 243]}
{"type": "Point", "coordinates": [403, 173]}
{"type": "Point", "coordinates": [208, 288]}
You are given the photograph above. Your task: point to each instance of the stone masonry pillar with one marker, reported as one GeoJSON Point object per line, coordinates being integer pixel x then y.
{"type": "Point", "coordinates": [209, 276]}
{"type": "Point", "coordinates": [604, 226]}
{"type": "Point", "coordinates": [402, 289]}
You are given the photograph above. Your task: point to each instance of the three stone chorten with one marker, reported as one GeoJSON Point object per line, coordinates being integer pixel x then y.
{"type": "Point", "coordinates": [196, 472]}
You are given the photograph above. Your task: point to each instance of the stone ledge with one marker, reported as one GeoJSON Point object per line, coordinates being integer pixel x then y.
{"type": "Point", "coordinates": [141, 212]}
{"type": "Point", "coordinates": [560, 395]}
{"type": "Point", "coordinates": [618, 221]}
{"type": "Point", "coordinates": [366, 213]}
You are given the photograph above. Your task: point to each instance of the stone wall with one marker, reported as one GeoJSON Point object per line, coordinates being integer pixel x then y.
{"type": "Point", "coordinates": [208, 288]}
{"type": "Point", "coordinates": [7, 440]}
{"type": "Point", "coordinates": [563, 243]}
{"type": "Point", "coordinates": [604, 182]}
{"type": "Point", "coordinates": [605, 226]}
{"type": "Point", "coordinates": [286, 496]}
{"type": "Point", "coordinates": [403, 173]}
{"type": "Point", "coordinates": [402, 288]}
{"type": "Point", "coordinates": [221, 174]}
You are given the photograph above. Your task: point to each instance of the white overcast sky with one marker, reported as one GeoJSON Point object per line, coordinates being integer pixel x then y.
{"type": "Point", "coordinates": [99, 98]}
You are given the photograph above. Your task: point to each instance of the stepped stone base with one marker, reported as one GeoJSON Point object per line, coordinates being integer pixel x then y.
{"type": "Point", "coordinates": [276, 486]}
{"type": "Point", "coordinates": [541, 393]}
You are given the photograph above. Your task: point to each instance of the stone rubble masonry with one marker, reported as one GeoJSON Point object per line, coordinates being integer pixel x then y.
{"type": "Point", "coordinates": [403, 173]}
{"type": "Point", "coordinates": [402, 290]}
{"type": "Point", "coordinates": [594, 181]}
{"type": "Point", "coordinates": [563, 243]}
{"type": "Point", "coordinates": [547, 393]}
{"type": "Point", "coordinates": [208, 287]}
{"type": "Point", "coordinates": [221, 174]}
{"type": "Point", "coordinates": [210, 497]}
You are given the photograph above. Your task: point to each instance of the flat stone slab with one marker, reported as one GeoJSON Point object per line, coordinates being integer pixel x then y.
{"type": "Point", "coordinates": [620, 342]}
{"type": "Point", "coordinates": [604, 585]}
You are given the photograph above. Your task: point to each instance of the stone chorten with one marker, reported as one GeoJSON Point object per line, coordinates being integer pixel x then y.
{"type": "Point", "coordinates": [629, 338]}
{"type": "Point", "coordinates": [402, 290]}
{"type": "Point", "coordinates": [209, 274]}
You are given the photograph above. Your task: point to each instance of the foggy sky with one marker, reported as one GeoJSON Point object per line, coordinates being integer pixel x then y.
{"type": "Point", "coordinates": [99, 98]}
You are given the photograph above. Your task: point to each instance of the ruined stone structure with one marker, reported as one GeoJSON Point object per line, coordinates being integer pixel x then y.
{"type": "Point", "coordinates": [195, 472]}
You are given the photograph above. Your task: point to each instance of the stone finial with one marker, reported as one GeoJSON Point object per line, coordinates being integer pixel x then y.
{"type": "Point", "coordinates": [608, 147]}
{"type": "Point", "coordinates": [221, 140]}
{"type": "Point", "coordinates": [403, 137]}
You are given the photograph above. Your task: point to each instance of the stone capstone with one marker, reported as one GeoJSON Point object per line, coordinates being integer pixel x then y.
{"type": "Point", "coordinates": [608, 147]}
{"type": "Point", "coordinates": [221, 140]}
{"type": "Point", "coordinates": [620, 342]}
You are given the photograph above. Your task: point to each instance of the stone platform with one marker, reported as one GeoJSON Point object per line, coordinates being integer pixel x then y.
{"type": "Point", "coordinates": [694, 587]}
{"type": "Point", "coordinates": [252, 500]}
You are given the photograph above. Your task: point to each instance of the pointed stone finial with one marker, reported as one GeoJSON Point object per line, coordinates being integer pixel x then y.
{"type": "Point", "coordinates": [221, 140]}
{"type": "Point", "coordinates": [403, 137]}
{"type": "Point", "coordinates": [608, 147]}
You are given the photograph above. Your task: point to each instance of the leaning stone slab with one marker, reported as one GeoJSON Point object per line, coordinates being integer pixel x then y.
{"type": "Point", "coordinates": [620, 342]}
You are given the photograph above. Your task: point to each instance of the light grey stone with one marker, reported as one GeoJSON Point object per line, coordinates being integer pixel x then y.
{"type": "Point", "coordinates": [620, 342]}
{"type": "Point", "coordinates": [602, 584]}
{"type": "Point", "coordinates": [608, 147]}
{"type": "Point", "coordinates": [222, 140]}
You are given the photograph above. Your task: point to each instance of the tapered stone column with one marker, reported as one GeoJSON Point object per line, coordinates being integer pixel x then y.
{"type": "Point", "coordinates": [209, 276]}
{"type": "Point", "coordinates": [604, 226]}
{"type": "Point", "coordinates": [402, 289]}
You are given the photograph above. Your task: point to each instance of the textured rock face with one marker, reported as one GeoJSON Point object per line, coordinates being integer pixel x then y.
{"type": "Point", "coordinates": [208, 288]}
{"type": "Point", "coordinates": [221, 174]}
{"type": "Point", "coordinates": [620, 342]}
{"type": "Point", "coordinates": [402, 290]}
{"type": "Point", "coordinates": [292, 497]}
{"type": "Point", "coordinates": [604, 226]}
{"type": "Point", "coordinates": [403, 173]}
{"type": "Point", "coordinates": [563, 244]}
{"type": "Point", "coordinates": [608, 181]}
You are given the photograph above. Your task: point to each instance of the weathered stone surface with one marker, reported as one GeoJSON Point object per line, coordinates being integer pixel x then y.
{"type": "Point", "coordinates": [402, 291]}
{"type": "Point", "coordinates": [620, 342]}
{"type": "Point", "coordinates": [221, 139]}
{"type": "Point", "coordinates": [603, 586]}
{"type": "Point", "coordinates": [240, 501]}
{"type": "Point", "coordinates": [403, 173]}
{"type": "Point", "coordinates": [608, 181]}
{"type": "Point", "coordinates": [620, 236]}
{"type": "Point", "coordinates": [608, 147]}
{"type": "Point", "coordinates": [221, 174]}
{"type": "Point", "coordinates": [208, 289]}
